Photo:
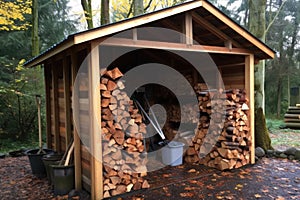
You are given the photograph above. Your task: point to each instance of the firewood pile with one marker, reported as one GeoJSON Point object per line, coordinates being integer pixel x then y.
{"type": "Point", "coordinates": [124, 162]}
{"type": "Point", "coordinates": [184, 115]}
{"type": "Point", "coordinates": [292, 117]}
{"type": "Point", "coordinates": [222, 139]}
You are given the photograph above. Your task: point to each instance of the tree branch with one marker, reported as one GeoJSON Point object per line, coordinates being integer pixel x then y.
{"type": "Point", "coordinates": [273, 20]}
{"type": "Point", "coordinates": [148, 6]}
{"type": "Point", "coordinates": [130, 9]}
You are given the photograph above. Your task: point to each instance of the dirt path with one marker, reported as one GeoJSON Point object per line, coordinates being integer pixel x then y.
{"type": "Point", "coordinates": [270, 178]}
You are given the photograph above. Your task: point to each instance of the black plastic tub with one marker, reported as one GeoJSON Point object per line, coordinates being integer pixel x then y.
{"type": "Point", "coordinates": [36, 162]}
{"type": "Point", "coordinates": [63, 179]}
{"type": "Point", "coordinates": [48, 160]}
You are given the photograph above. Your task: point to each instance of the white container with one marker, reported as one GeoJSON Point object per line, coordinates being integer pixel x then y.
{"type": "Point", "coordinates": [172, 153]}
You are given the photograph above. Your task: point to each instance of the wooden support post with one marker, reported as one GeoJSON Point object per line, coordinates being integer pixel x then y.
{"type": "Point", "coordinates": [55, 109]}
{"type": "Point", "coordinates": [47, 72]}
{"type": "Point", "coordinates": [95, 113]}
{"type": "Point", "coordinates": [77, 143]}
{"type": "Point", "coordinates": [188, 29]}
{"type": "Point", "coordinates": [249, 85]}
{"type": "Point", "coordinates": [228, 44]}
{"type": "Point", "coordinates": [67, 100]}
{"type": "Point", "coordinates": [134, 34]}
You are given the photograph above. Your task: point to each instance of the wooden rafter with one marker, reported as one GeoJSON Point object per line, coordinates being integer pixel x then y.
{"type": "Point", "coordinates": [171, 25]}
{"type": "Point", "coordinates": [214, 30]}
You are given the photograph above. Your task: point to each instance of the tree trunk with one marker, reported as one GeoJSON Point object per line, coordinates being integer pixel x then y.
{"type": "Point", "coordinates": [138, 6]}
{"type": "Point", "coordinates": [262, 138]}
{"type": "Point", "coordinates": [257, 26]}
{"type": "Point", "coordinates": [105, 12]}
{"type": "Point", "coordinates": [87, 8]}
{"type": "Point", "coordinates": [35, 29]}
{"type": "Point", "coordinates": [259, 85]}
{"type": "Point", "coordinates": [279, 91]}
{"type": "Point", "coordinates": [280, 76]}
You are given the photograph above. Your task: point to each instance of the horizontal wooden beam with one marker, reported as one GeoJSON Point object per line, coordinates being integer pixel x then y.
{"type": "Point", "coordinates": [120, 42]}
{"type": "Point", "coordinates": [232, 65]}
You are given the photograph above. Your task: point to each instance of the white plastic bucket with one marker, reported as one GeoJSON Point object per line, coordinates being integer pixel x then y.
{"type": "Point", "coordinates": [172, 153]}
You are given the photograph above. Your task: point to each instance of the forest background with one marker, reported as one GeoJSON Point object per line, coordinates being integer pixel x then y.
{"type": "Point", "coordinates": [28, 27]}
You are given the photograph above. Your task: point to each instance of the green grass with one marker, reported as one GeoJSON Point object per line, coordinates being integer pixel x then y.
{"type": "Point", "coordinates": [282, 137]}
{"type": "Point", "coordinates": [274, 124]}
{"type": "Point", "coordinates": [7, 145]}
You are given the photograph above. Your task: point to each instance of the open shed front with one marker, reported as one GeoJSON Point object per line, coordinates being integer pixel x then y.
{"type": "Point", "coordinates": [208, 104]}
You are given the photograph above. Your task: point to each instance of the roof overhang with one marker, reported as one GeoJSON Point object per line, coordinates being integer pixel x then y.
{"type": "Point", "coordinates": [110, 29]}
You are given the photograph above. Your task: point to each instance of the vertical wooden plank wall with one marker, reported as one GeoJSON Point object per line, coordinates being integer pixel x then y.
{"type": "Point", "coordinates": [84, 118]}
{"type": "Point", "coordinates": [59, 65]}
{"type": "Point", "coordinates": [55, 109]}
{"type": "Point", "coordinates": [95, 111]}
{"type": "Point", "coordinates": [77, 143]}
{"type": "Point", "coordinates": [58, 104]}
{"type": "Point", "coordinates": [67, 100]}
{"type": "Point", "coordinates": [249, 85]}
{"type": "Point", "coordinates": [47, 75]}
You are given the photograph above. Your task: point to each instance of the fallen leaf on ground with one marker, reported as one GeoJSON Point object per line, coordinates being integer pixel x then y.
{"type": "Point", "coordinates": [265, 190]}
{"type": "Point", "coordinates": [190, 188]}
{"type": "Point", "coordinates": [166, 175]}
{"type": "Point", "coordinates": [257, 196]}
{"type": "Point", "coordinates": [193, 181]}
{"type": "Point", "coordinates": [186, 194]}
{"type": "Point", "coordinates": [239, 187]}
{"type": "Point", "coordinates": [210, 187]}
{"type": "Point", "coordinates": [166, 190]}
{"type": "Point", "coordinates": [192, 171]}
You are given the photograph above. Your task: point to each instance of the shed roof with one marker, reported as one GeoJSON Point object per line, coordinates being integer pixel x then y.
{"type": "Point", "coordinates": [204, 14]}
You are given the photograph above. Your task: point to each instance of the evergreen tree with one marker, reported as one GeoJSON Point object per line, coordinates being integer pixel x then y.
{"type": "Point", "coordinates": [18, 85]}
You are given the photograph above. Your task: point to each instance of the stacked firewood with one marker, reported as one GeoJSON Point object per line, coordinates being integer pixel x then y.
{"type": "Point", "coordinates": [222, 139]}
{"type": "Point", "coordinates": [122, 129]}
{"type": "Point", "coordinates": [185, 114]}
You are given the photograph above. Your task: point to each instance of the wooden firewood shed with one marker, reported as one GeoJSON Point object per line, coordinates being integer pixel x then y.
{"type": "Point", "coordinates": [203, 29]}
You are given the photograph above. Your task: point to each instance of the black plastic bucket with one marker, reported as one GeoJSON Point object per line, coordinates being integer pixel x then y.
{"type": "Point", "coordinates": [36, 162]}
{"type": "Point", "coordinates": [63, 179]}
{"type": "Point", "coordinates": [48, 160]}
